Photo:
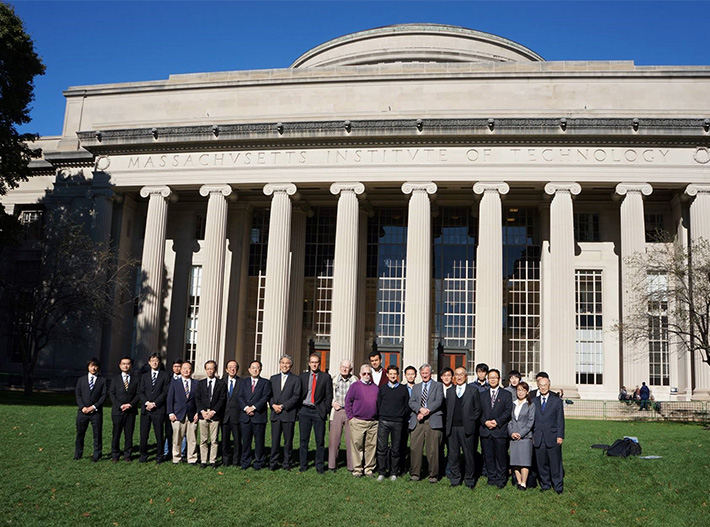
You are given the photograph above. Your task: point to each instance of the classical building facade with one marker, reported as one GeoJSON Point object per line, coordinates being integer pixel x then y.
{"type": "Point", "coordinates": [437, 193]}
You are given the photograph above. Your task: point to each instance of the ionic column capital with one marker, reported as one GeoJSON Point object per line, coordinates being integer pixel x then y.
{"type": "Point", "coordinates": [624, 188]}
{"type": "Point", "coordinates": [553, 187]}
{"type": "Point", "coordinates": [225, 190]}
{"type": "Point", "coordinates": [500, 187]}
{"type": "Point", "coordinates": [356, 187]}
{"type": "Point", "coordinates": [409, 187]}
{"type": "Point", "coordinates": [164, 191]}
{"type": "Point", "coordinates": [273, 188]}
{"type": "Point", "coordinates": [694, 189]}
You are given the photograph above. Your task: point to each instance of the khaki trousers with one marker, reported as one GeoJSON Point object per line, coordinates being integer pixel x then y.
{"type": "Point", "coordinates": [363, 446]}
{"type": "Point", "coordinates": [208, 441]}
{"type": "Point", "coordinates": [185, 428]}
{"type": "Point", "coordinates": [421, 434]}
{"type": "Point", "coordinates": [337, 425]}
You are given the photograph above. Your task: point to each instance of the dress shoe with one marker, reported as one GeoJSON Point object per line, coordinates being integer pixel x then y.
{"type": "Point", "coordinates": [413, 478]}
{"type": "Point", "coordinates": [302, 469]}
{"type": "Point", "coordinates": [114, 460]}
{"type": "Point", "coordinates": [203, 465]}
{"type": "Point", "coordinates": [433, 480]}
{"type": "Point", "coordinates": [128, 460]}
{"type": "Point", "coordinates": [558, 491]}
{"type": "Point", "coordinates": [320, 470]}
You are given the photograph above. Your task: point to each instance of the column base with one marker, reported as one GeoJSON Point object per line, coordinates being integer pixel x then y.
{"type": "Point", "coordinates": [570, 392]}
{"type": "Point", "coordinates": [702, 394]}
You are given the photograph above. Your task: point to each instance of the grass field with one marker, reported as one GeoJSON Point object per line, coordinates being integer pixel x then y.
{"type": "Point", "coordinates": [41, 485]}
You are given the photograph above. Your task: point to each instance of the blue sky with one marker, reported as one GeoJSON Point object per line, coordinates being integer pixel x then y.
{"type": "Point", "coordinates": [97, 42]}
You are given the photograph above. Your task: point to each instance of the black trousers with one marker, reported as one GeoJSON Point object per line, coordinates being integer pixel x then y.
{"type": "Point", "coordinates": [256, 431]}
{"type": "Point", "coordinates": [279, 428]}
{"type": "Point", "coordinates": [549, 466]}
{"type": "Point", "coordinates": [385, 431]}
{"type": "Point", "coordinates": [125, 424]}
{"type": "Point", "coordinates": [458, 441]}
{"type": "Point", "coordinates": [309, 419]}
{"type": "Point", "coordinates": [157, 419]}
{"type": "Point", "coordinates": [82, 425]}
{"type": "Point", "coordinates": [495, 456]}
{"type": "Point", "coordinates": [231, 443]}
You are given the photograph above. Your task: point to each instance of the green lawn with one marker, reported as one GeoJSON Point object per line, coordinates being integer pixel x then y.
{"type": "Point", "coordinates": [42, 485]}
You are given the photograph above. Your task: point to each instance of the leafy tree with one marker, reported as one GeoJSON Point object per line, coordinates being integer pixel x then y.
{"type": "Point", "coordinates": [60, 296]}
{"type": "Point", "coordinates": [19, 64]}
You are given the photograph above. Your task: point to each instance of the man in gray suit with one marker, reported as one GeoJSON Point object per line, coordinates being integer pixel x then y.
{"type": "Point", "coordinates": [285, 398]}
{"type": "Point", "coordinates": [426, 424]}
{"type": "Point", "coordinates": [463, 408]}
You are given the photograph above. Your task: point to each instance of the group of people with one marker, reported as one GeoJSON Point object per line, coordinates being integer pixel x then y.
{"type": "Point", "coordinates": [641, 396]}
{"type": "Point", "coordinates": [520, 430]}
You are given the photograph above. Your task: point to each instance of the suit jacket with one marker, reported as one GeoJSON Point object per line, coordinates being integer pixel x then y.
{"type": "Point", "coordinates": [471, 409]}
{"type": "Point", "coordinates": [549, 424]}
{"type": "Point", "coordinates": [435, 401]}
{"type": "Point", "coordinates": [383, 380]}
{"type": "Point", "coordinates": [158, 393]}
{"type": "Point", "coordinates": [501, 412]}
{"type": "Point", "coordinates": [87, 397]}
{"type": "Point", "coordinates": [324, 392]}
{"type": "Point", "coordinates": [258, 399]}
{"type": "Point", "coordinates": [290, 397]}
{"type": "Point", "coordinates": [231, 405]}
{"type": "Point", "coordinates": [523, 425]}
{"type": "Point", "coordinates": [120, 396]}
{"type": "Point", "coordinates": [216, 402]}
{"type": "Point", "coordinates": [179, 403]}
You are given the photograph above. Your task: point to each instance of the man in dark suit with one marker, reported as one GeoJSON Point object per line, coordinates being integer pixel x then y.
{"type": "Point", "coordinates": [463, 409]}
{"type": "Point", "coordinates": [90, 396]}
{"type": "Point", "coordinates": [317, 393]}
{"type": "Point", "coordinates": [124, 408]}
{"type": "Point", "coordinates": [153, 392]}
{"type": "Point", "coordinates": [285, 399]}
{"type": "Point", "coordinates": [210, 398]}
{"type": "Point", "coordinates": [231, 438]}
{"type": "Point", "coordinates": [548, 434]}
{"type": "Point", "coordinates": [496, 408]}
{"type": "Point", "coordinates": [182, 411]}
{"type": "Point", "coordinates": [174, 376]}
{"type": "Point", "coordinates": [253, 396]}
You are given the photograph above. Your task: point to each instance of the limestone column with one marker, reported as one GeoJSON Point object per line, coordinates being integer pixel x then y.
{"type": "Point", "coordinates": [212, 291]}
{"type": "Point", "coordinates": [345, 267]}
{"type": "Point", "coordinates": [700, 231]}
{"type": "Point", "coordinates": [152, 270]}
{"type": "Point", "coordinates": [277, 276]}
{"type": "Point", "coordinates": [635, 356]}
{"type": "Point", "coordinates": [559, 360]}
{"type": "Point", "coordinates": [295, 304]}
{"type": "Point", "coordinates": [102, 216]}
{"type": "Point", "coordinates": [489, 274]}
{"type": "Point", "coordinates": [417, 306]}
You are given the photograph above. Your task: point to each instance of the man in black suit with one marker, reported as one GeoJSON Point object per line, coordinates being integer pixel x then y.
{"type": "Point", "coordinates": [317, 393]}
{"type": "Point", "coordinates": [153, 392]}
{"type": "Point", "coordinates": [285, 398]}
{"type": "Point", "coordinates": [253, 396]}
{"type": "Point", "coordinates": [182, 411]}
{"type": "Point", "coordinates": [548, 434]}
{"type": "Point", "coordinates": [124, 408]}
{"type": "Point", "coordinates": [210, 398]}
{"type": "Point", "coordinates": [231, 446]}
{"type": "Point", "coordinates": [463, 409]}
{"type": "Point", "coordinates": [496, 408]}
{"type": "Point", "coordinates": [90, 396]}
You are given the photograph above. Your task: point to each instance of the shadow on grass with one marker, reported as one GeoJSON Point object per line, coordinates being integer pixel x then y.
{"type": "Point", "coordinates": [17, 397]}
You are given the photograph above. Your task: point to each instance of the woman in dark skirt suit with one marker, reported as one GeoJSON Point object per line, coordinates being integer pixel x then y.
{"type": "Point", "coordinates": [520, 433]}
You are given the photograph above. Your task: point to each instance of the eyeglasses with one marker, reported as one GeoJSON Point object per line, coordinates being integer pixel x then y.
{"type": "Point", "coordinates": [365, 374]}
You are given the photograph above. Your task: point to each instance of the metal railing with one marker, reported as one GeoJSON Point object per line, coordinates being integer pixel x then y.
{"type": "Point", "coordinates": [631, 410]}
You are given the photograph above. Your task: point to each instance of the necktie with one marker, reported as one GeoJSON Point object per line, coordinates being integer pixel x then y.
{"type": "Point", "coordinates": [425, 395]}
{"type": "Point", "coordinates": [187, 388]}
{"type": "Point", "coordinates": [152, 382]}
{"type": "Point", "coordinates": [313, 390]}
{"type": "Point", "coordinates": [493, 398]}
{"type": "Point", "coordinates": [209, 388]}
{"type": "Point", "coordinates": [544, 402]}
{"type": "Point", "coordinates": [231, 386]}
{"type": "Point", "coordinates": [459, 391]}
{"type": "Point", "coordinates": [125, 382]}
{"type": "Point", "coordinates": [253, 385]}
{"type": "Point", "coordinates": [283, 381]}
{"type": "Point", "coordinates": [91, 383]}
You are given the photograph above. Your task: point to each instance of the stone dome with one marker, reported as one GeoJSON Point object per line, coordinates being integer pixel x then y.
{"type": "Point", "coordinates": [415, 43]}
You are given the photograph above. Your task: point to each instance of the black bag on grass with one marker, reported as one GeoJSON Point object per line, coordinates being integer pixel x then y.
{"type": "Point", "coordinates": [624, 448]}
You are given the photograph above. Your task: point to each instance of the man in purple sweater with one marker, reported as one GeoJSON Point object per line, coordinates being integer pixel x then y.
{"type": "Point", "coordinates": [361, 410]}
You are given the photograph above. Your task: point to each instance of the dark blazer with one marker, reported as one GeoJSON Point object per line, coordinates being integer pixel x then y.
{"type": "Point", "coordinates": [324, 392]}
{"type": "Point", "coordinates": [290, 397]}
{"type": "Point", "coordinates": [258, 399]}
{"type": "Point", "coordinates": [180, 404]}
{"type": "Point", "coordinates": [550, 424]}
{"type": "Point", "coordinates": [86, 397]}
{"type": "Point", "coordinates": [216, 403]}
{"type": "Point", "coordinates": [158, 393]}
{"type": "Point", "coordinates": [231, 405]}
{"type": "Point", "coordinates": [471, 409]}
{"type": "Point", "coordinates": [501, 412]}
{"type": "Point", "coordinates": [120, 396]}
